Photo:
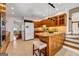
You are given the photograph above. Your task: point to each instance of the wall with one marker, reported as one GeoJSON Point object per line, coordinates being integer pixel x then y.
{"type": "Point", "coordinates": [10, 24]}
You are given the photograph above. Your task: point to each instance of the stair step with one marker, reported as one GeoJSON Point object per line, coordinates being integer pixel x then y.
{"type": "Point", "coordinates": [72, 36]}
{"type": "Point", "coordinates": [72, 41]}
{"type": "Point", "coordinates": [68, 37]}
{"type": "Point", "coordinates": [73, 47]}
{"type": "Point", "coordinates": [72, 44]}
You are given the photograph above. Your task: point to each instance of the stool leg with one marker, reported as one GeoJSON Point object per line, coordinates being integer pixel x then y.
{"type": "Point", "coordinates": [45, 52]}
{"type": "Point", "coordinates": [39, 52]}
{"type": "Point", "coordinates": [33, 49]}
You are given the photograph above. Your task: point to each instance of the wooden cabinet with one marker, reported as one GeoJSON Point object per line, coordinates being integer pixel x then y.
{"type": "Point", "coordinates": [2, 22]}
{"type": "Point", "coordinates": [37, 24]}
{"type": "Point", "coordinates": [54, 20]}
{"type": "Point", "coordinates": [2, 7]}
{"type": "Point", "coordinates": [50, 22]}
{"type": "Point", "coordinates": [3, 39]}
{"type": "Point", "coordinates": [45, 22]}
{"type": "Point", "coordinates": [62, 20]}
{"type": "Point", "coordinates": [59, 20]}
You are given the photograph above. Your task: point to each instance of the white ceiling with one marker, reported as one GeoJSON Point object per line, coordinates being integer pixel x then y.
{"type": "Point", "coordinates": [37, 10]}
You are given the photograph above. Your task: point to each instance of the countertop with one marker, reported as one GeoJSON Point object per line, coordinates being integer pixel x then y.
{"type": "Point", "coordinates": [48, 34]}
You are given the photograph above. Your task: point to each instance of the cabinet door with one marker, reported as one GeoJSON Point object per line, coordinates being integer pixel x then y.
{"type": "Point", "coordinates": [53, 21]}
{"type": "Point", "coordinates": [62, 20]}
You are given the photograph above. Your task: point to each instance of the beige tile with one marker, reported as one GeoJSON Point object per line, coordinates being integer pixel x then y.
{"type": "Point", "coordinates": [23, 48]}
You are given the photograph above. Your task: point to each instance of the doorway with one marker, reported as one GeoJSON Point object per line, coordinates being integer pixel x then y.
{"type": "Point", "coordinates": [17, 30]}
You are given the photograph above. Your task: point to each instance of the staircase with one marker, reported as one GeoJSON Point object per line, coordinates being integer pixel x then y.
{"type": "Point", "coordinates": [72, 43]}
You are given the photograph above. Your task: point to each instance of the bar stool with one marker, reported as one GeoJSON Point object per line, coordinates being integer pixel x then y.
{"type": "Point", "coordinates": [39, 46]}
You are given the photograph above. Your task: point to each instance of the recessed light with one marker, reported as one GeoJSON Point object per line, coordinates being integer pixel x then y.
{"type": "Point", "coordinates": [12, 8]}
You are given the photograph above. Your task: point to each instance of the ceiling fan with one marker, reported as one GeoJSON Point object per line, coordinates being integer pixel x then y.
{"type": "Point", "coordinates": [51, 5]}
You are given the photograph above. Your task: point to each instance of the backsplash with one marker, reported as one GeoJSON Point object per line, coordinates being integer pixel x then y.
{"type": "Point", "coordinates": [59, 28]}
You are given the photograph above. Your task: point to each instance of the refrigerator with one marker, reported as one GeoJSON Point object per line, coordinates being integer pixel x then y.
{"type": "Point", "coordinates": [28, 30]}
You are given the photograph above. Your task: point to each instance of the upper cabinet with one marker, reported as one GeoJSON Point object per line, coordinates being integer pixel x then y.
{"type": "Point", "coordinates": [2, 7]}
{"type": "Point", "coordinates": [37, 24]}
{"type": "Point", "coordinates": [59, 20]}
{"type": "Point", "coordinates": [62, 20]}
{"type": "Point", "coordinates": [54, 21]}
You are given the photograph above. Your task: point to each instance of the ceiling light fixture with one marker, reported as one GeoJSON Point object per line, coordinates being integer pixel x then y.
{"type": "Point", "coordinates": [12, 8]}
{"type": "Point", "coordinates": [51, 5]}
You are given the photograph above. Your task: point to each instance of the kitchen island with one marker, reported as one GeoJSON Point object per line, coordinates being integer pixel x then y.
{"type": "Point", "coordinates": [54, 41]}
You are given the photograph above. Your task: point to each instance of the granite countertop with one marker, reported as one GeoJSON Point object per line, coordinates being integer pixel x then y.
{"type": "Point", "coordinates": [48, 34]}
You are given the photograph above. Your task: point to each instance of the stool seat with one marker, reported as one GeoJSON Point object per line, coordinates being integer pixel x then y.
{"type": "Point", "coordinates": [39, 45]}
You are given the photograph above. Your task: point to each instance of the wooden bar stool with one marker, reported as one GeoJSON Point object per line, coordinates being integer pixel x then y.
{"type": "Point", "coordinates": [39, 46]}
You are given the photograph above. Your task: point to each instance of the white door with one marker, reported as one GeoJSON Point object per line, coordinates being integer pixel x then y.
{"type": "Point", "coordinates": [29, 30]}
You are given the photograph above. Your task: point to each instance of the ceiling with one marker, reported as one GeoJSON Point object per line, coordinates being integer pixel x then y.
{"type": "Point", "coordinates": [37, 10]}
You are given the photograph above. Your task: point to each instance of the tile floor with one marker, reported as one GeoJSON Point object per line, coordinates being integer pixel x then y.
{"type": "Point", "coordinates": [22, 48]}
{"type": "Point", "coordinates": [25, 48]}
